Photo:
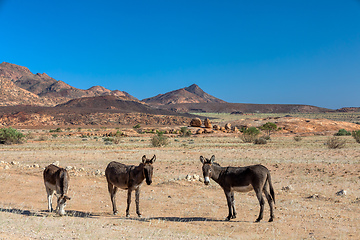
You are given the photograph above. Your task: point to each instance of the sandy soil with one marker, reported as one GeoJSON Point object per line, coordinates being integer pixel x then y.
{"type": "Point", "coordinates": [306, 176]}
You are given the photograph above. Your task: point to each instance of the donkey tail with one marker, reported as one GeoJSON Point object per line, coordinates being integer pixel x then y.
{"type": "Point", "coordinates": [272, 193]}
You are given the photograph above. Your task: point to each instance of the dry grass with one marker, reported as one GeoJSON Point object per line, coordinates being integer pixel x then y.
{"type": "Point", "coordinates": [309, 173]}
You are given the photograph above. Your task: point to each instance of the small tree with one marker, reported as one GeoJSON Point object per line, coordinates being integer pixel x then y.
{"type": "Point", "coordinates": [269, 127]}
{"type": "Point", "coordinates": [250, 134]}
{"type": "Point", "coordinates": [10, 136]}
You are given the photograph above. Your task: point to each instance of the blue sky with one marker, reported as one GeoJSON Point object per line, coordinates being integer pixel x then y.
{"type": "Point", "coordinates": [275, 52]}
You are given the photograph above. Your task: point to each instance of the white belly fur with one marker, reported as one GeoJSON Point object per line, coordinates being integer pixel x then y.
{"type": "Point", "coordinates": [242, 188]}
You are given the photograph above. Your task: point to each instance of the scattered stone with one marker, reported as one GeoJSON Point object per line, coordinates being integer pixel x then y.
{"type": "Point", "coordinates": [196, 177]}
{"type": "Point", "coordinates": [68, 168]}
{"type": "Point", "coordinates": [188, 177]}
{"type": "Point", "coordinates": [228, 126]}
{"type": "Point", "coordinates": [36, 165]}
{"type": "Point", "coordinates": [341, 193]}
{"type": "Point", "coordinates": [56, 163]}
{"type": "Point", "coordinates": [195, 122]}
{"type": "Point", "coordinates": [81, 169]}
{"type": "Point", "coordinates": [14, 163]}
{"type": "Point", "coordinates": [216, 127]}
{"type": "Point", "coordinates": [288, 188]}
{"type": "Point", "coordinates": [6, 167]}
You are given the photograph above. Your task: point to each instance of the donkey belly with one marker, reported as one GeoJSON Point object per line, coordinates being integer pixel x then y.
{"type": "Point", "coordinates": [50, 186]}
{"type": "Point", "coordinates": [242, 188]}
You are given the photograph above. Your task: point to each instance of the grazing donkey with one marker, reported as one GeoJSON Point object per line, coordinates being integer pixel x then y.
{"type": "Point", "coordinates": [240, 179]}
{"type": "Point", "coordinates": [128, 177]}
{"type": "Point", "coordinates": [56, 179]}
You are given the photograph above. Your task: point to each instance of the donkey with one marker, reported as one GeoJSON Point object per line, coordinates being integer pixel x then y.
{"type": "Point", "coordinates": [56, 179]}
{"type": "Point", "coordinates": [128, 177]}
{"type": "Point", "coordinates": [240, 179]}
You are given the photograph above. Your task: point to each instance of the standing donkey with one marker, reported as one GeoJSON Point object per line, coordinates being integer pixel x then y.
{"type": "Point", "coordinates": [56, 179]}
{"type": "Point", "coordinates": [240, 179]}
{"type": "Point", "coordinates": [128, 177]}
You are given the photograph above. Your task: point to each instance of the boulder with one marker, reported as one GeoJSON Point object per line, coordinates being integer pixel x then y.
{"type": "Point", "coordinates": [200, 131]}
{"type": "Point", "coordinates": [216, 127]}
{"type": "Point", "coordinates": [195, 122]}
{"type": "Point", "coordinates": [207, 123]}
{"type": "Point", "coordinates": [228, 126]}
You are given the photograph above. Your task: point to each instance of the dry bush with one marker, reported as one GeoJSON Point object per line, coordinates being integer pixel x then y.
{"type": "Point", "coordinates": [335, 142]}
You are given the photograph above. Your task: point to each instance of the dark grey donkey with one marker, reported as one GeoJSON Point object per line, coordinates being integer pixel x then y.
{"type": "Point", "coordinates": [56, 179]}
{"type": "Point", "coordinates": [128, 177]}
{"type": "Point", "coordinates": [240, 179]}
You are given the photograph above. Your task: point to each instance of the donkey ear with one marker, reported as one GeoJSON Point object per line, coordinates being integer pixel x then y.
{"type": "Point", "coordinates": [202, 160]}
{"type": "Point", "coordinates": [212, 159]}
{"type": "Point", "coordinates": [144, 159]}
{"type": "Point", "coordinates": [153, 159]}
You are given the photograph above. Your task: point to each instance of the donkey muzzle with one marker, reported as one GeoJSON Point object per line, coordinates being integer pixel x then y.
{"type": "Point", "coordinates": [207, 180]}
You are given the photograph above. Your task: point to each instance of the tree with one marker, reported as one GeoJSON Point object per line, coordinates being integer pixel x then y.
{"type": "Point", "coordinates": [269, 127]}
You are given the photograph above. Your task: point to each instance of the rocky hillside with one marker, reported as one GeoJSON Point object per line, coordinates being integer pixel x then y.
{"type": "Point", "coordinates": [47, 88]}
{"type": "Point", "coordinates": [191, 94]}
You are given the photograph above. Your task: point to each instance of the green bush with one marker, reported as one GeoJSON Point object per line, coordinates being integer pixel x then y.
{"type": "Point", "coordinates": [10, 136]}
{"type": "Point", "coordinates": [342, 132]}
{"type": "Point", "coordinates": [185, 132]}
{"type": "Point", "coordinates": [356, 135]}
{"type": "Point", "coordinates": [56, 130]}
{"type": "Point", "coordinates": [159, 140]}
{"type": "Point", "coordinates": [137, 126]}
{"type": "Point", "coordinates": [250, 134]}
{"type": "Point", "coordinates": [269, 127]}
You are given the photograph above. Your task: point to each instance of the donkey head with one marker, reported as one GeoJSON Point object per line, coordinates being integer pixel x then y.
{"type": "Point", "coordinates": [148, 168]}
{"type": "Point", "coordinates": [206, 168]}
{"type": "Point", "coordinates": [61, 203]}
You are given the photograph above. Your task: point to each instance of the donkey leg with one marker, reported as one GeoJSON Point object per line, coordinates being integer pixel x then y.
{"type": "Point", "coordinates": [137, 201]}
{"type": "Point", "coordinates": [50, 194]}
{"type": "Point", "coordinates": [233, 205]}
{"type": "Point", "coordinates": [128, 203]}
{"type": "Point", "coordinates": [229, 202]}
{"type": "Point", "coordinates": [112, 190]}
{"type": "Point", "coordinates": [270, 201]}
{"type": "Point", "coordinates": [262, 202]}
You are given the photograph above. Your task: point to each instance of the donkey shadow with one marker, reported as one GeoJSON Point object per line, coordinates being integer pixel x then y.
{"type": "Point", "coordinates": [45, 213]}
{"type": "Point", "coordinates": [180, 219]}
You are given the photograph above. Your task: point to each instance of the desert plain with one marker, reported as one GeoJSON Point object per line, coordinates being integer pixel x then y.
{"type": "Point", "coordinates": [306, 176]}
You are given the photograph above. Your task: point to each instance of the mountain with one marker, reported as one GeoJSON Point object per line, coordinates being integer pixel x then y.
{"type": "Point", "coordinates": [191, 94]}
{"type": "Point", "coordinates": [48, 88]}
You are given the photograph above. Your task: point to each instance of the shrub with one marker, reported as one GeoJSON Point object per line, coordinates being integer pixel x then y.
{"type": "Point", "coordinates": [297, 138]}
{"type": "Point", "coordinates": [356, 135]}
{"type": "Point", "coordinates": [159, 140]}
{"type": "Point", "coordinates": [56, 130]}
{"type": "Point", "coordinates": [137, 126]}
{"type": "Point", "coordinates": [185, 132]}
{"type": "Point", "coordinates": [249, 134]}
{"type": "Point", "coordinates": [342, 132]}
{"type": "Point", "coordinates": [10, 136]}
{"type": "Point", "coordinates": [260, 141]}
{"type": "Point", "coordinates": [335, 142]}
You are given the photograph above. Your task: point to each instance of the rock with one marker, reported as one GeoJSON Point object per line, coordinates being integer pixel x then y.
{"type": "Point", "coordinates": [196, 177]}
{"type": "Point", "coordinates": [288, 188]}
{"type": "Point", "coordinates": [36, 166]}
{"type": "Point", "coordinates": [56, 163]}
{"type": "Point", "coordinates": [341, 193]}
{"type": "Point", "coordinates": [207, 123]}
{"type": "Point", "coordinates": [206, 130]}
{"type": "Point", "coordinates": [235, 129]}
{"type": "Point", "coordinates": [188, 177]}
{"type": "Point", "coordinates": [6, 167]}
{"type": "Point", "coordinates": [228, 126]}
{"type": "Point", "coordinates": [216, 127]}
{"type": "Point", "coordinates": [200, 131]}
{"type": "Point", "coordinates": [81, 169]}
{"type": "Point", "coordinates": [97, 172]}
{"type": "Point", "coordinates": [195, 122]}
{"type": "Point", "coordinates": [14, 163]}
{"type": "Point", "coordinates": [68, 168]}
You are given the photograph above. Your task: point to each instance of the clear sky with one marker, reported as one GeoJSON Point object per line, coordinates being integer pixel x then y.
{"type": "Point", "coordinates": [242, 51]}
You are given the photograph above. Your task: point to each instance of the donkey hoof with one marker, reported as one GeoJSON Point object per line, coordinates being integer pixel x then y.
{"type": "Point", "coordinates": [233, 216]}
{"type": "Point", "coordinates": [271, 219]}
{"type": "Point", "coordinates": [258, 220]}
{"type": "Point", "coordinates": [127, 215]}
{"type": "Point", "coordinates": [139, 215]}
{"type": "Point", "coordinates": [228, 218]}
{"type": "Point", "coordinates": [115, 212]}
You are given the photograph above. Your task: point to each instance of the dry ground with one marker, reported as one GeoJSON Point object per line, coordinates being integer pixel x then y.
{"type": "Point", "coordinates": [306, 176]}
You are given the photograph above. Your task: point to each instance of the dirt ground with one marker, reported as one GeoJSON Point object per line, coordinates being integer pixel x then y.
{"type": "Point", "coordinates": [306, 176]}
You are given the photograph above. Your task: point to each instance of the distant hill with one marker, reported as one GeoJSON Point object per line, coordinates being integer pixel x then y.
{"type": "Point", "coordinates": [191, 94]}
{"type": "Point", "coordinates": [44, 86]}
{"type": "Point", "coordinates": [239, 108]}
